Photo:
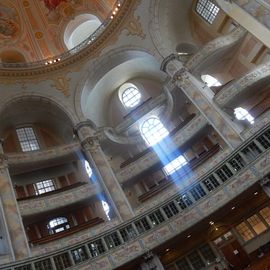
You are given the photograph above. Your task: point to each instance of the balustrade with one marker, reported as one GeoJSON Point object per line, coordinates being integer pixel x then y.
{"type": "Point", "coordinates": [237, 162]}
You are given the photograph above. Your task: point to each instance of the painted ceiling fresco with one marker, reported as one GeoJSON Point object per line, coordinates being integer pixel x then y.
{"type": "Point", "coordinates": [35, 28]}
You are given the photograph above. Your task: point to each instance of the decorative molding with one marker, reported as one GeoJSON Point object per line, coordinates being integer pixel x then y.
{"type": "Point", "coordinates": [230, 92]}
{"type": "Point", "coordinates": [94, 49]}
{"type": "Point", "coordinates": [221, 43]}
{"type": "Point", "coordinates": [61, 83]}
{"type": "Point", "coordinates": [134, 27]}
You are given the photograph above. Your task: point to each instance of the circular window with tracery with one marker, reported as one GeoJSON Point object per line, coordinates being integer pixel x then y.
{"type": "Point", "coordinates": [131, 97]}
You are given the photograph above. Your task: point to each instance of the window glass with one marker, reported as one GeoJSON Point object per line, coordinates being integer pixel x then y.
{"type": "Point", "coordinates": [27, 139]}
{"type": "Point", "coordinates": [175, 165]}
{"type": "Point", "coordinates": [243, 114]}
{"type": "Point", "coordinates": [106, 209]}
{"type": "Point", "coordinates": [196, 260]}
{"type": "Point", "coordinates": [58, 224]}
{"type": "Point", "coordinates": [88, 168]}
{"type": "Point", "coordinates": [207, 10]}
{"type": "Point", "coordinates": [265, 213]}
{"type": "Point", "coordinates": [153, 130]}
{"type": "Point", "coordinates": [131, 97]}
{"type": "Point", "coordinates": [257, 224]}
{"type": "Point", "coordinates": [210, 81]}
{"type": "Point", "coordinates": [44, 186]}
{"type": "Point", "coordinates": [244, 231]}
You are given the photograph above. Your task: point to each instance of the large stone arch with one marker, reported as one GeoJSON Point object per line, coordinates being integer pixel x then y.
{"type": "Point", "coordinates": [102, 65]}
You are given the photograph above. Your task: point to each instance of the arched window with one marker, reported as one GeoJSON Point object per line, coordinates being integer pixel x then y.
{"type": "Point", "coordinates": [153, 130]}
{"type": "Point", "coordinates": [58, 224]}
{"type": "Point", "coordinates": [88, 168]}
{"type": "Point", "coordinates": [210, 80]}
{"type": "Point", "coordinates": [242, 114]}
{"type": "Point", "coordinates": [27, 139]}
{"type": "Point", "coordinates": [175, 165]}
{"type": "Point", "coordinates": [207, 10]}
{"type": "Point", "coordinates": [80, 28]}
{"type": "Point", "coordinates": [106, 209]}
{"type": "Point", "coordinates": [131, 97]}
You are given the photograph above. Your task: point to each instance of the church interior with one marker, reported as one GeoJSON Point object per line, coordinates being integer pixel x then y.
{"type": "Point", "coordinates": [156, 151]}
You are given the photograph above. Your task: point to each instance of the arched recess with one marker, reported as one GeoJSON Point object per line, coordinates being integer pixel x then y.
{"type": "Point", "coordinates": [110, 71]}
{"type": "Point", "coordinates": [51, 121]}
{"type": "Point", "coordinates": [170, 25]}
{"type": "Point", "coordinates": [12, 56]}
{"type": "Point", "coordinates": [79, 29]}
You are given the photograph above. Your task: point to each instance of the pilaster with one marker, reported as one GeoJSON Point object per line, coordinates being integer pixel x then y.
{"type": "Point", "coordinates": [12, 215]}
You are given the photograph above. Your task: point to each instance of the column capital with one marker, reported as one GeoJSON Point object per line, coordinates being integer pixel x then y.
{"type": "Point", "coordinates": [87, 123]}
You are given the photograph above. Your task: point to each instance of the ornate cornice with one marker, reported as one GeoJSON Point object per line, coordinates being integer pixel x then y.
{"type": "Point", "coordinates": [93, 50]}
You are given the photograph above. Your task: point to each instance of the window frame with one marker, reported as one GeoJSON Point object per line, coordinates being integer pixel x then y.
{"type": "Point", "coordinates": [174, 165]}
{"type": "Point", "coordinates": [127, 102]}
{"type": "Point", "coordinates": [60, 226]}
{"type": "Point", "coordinates": [207, 10]}
{"type": "Point", "coordinates": [45, 188]}
{"type": "Point", "coordinates": [156, 128]}
{"type": "Point", "coordinates": [25, 143]}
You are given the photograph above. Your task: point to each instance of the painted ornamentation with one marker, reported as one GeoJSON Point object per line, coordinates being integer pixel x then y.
{"type": "Point", "coordinates": [9, 22]}
{"type": "Point", "coordinates": [53, 4]}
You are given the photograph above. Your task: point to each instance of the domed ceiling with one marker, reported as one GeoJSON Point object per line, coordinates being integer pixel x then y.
{"type": "Point", "coordinates": [32, 30]}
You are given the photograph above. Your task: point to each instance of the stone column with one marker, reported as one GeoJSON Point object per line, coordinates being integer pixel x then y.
{"type": "Point", "coordinates": [106, 176]}
{"type": "Point", "coordinates": [151, 262]}
{"type": "Point", "coordinates": [15, 228]}
{"type": "Point", "coordinates": [193, 89]}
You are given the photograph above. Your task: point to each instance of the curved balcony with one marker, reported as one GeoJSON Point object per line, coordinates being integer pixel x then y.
{"type": "Point", "coordinates": [19, 162]}
{"type": "Point", "coordinates": [182, 174]}
{"type": "Point", "coordinates": [257, 78]}
{"type": "Point", "coordinates": [163, 227]}
{"type": "Point", "coordinates": [183, 181]}
{"type": "Point", "coordinates": [219, 48]}
{"type": "Point", "coordinates": [57, 199]}
{"type": "Point", "coordinates": [92, 44]}
{"type": "Point", "coordinates": [72, 239]}
{"type": "Point", "coordinates": [150, 158]}
{"type": "Point", "coordinates": [260, 122]}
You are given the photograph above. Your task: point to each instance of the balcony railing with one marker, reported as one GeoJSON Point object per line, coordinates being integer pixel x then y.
{"type": "Point", "coordinates": [150, 159]}
{"type": "Point", "coordinates": [84, 44]}
{"type": "Point", "coordinates": [193, 164]}
{"type": "Point", "coordinates": [58, 198]}
{"type": "Point", "coordinates": [150, 149]}
{"type": "Point", "coordinates": [56, 236]}
{"type": "Point", "coordinates": [168, 219]}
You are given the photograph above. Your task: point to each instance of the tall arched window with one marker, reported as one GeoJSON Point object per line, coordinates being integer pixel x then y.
{"type": "Point", "coordinates": [58, 224]}
{"type": "Point", "coordinates": [153, 130]}
{"type": "Point", "coordinates": [242, 114]}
